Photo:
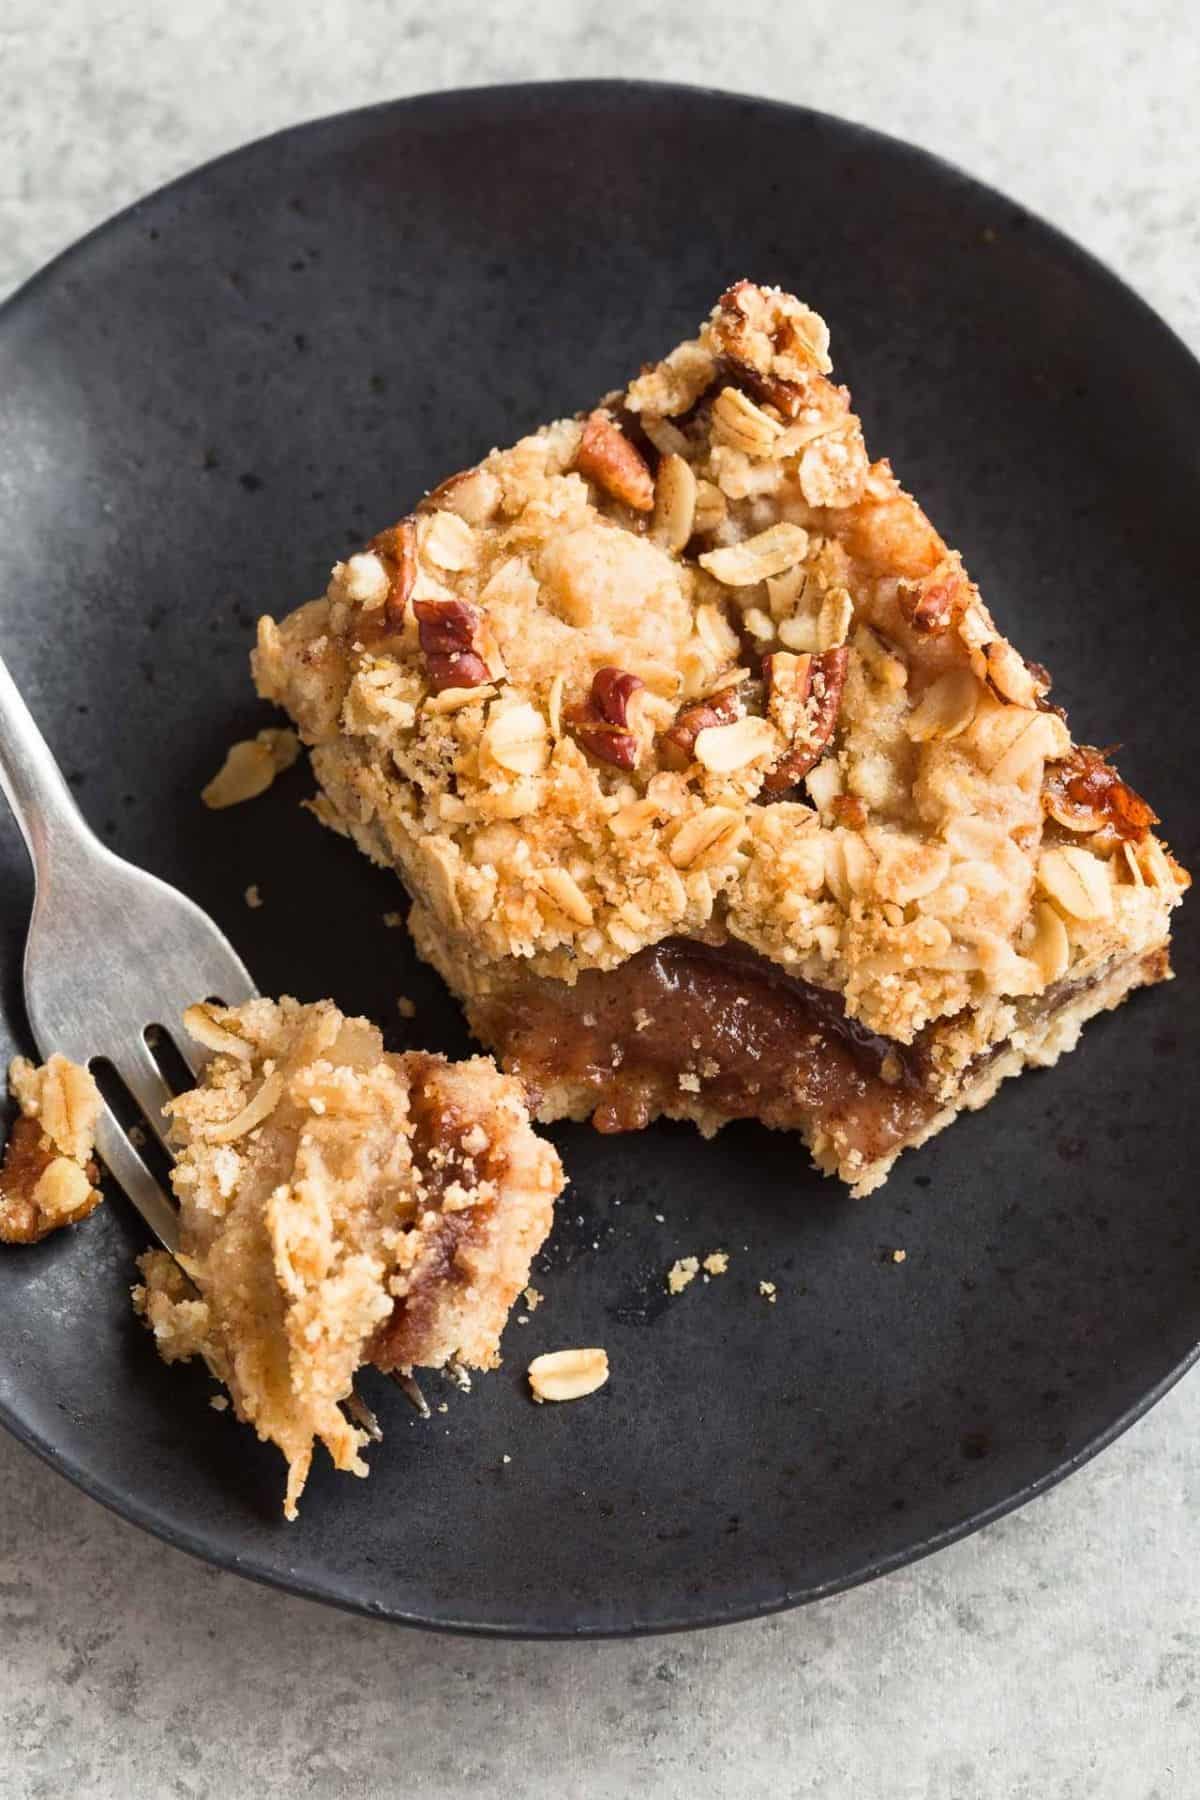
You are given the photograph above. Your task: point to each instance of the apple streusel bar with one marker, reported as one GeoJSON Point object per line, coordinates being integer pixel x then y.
{"type": "Point", "coordinates": [717, 790]}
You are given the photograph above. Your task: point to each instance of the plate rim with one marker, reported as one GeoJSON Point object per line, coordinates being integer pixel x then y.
{"type": "Point", "coordinates": [125, 1503]}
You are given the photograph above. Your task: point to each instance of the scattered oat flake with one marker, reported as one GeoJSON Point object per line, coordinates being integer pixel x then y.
{"type": "Point", "coordinates": [251, 766]}
{"type": "Point", "coordinates": [716, 1262]}
{"type": "Point", "coordinates": [407, 1008]}
{"type": "Point", "coordinates": [568, 1374]}
{"type": "Point", "coordinates": [252, 897]}
{"type": "Point", "coordinates": [768, 1291]}
{"type": "Point", "coordinates": [442, 1406]}
{"type": "Point", "coordinates": [685, 1269]}
{"type": "Point", "coordinates": [532, 1298]}
{"type": "Point", "coordinates": [219, 1403]}
{"type": "Point", "coordinates": [899, 1255]}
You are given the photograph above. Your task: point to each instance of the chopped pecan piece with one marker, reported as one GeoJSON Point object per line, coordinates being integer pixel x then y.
{"type": "Point", "coordinates": [804, 694]}
{"type": "Point", "coordinates": [677, 743]}
{"type": "Point", "coordinates": [397, 550]}
{"type": "Point", "coordinates": [601, 722]}
{"type": "Point", "coordinates": [933, 603]}
{"type": "Point", "coordinates": [770, 345]}
{"type": "Point", "coordinates": [607, 457]}
{"type": "Point", "coordinates": [447, 632]}
{"type": "Point", "coordinates": [1084, 793]}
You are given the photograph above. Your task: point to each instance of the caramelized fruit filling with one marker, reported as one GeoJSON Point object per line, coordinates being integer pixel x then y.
{"type": "Point", "coordinates": [684, 1020]}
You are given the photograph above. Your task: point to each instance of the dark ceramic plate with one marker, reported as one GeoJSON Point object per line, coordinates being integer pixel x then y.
{"type": "Point", "coordinates": [218, 392]}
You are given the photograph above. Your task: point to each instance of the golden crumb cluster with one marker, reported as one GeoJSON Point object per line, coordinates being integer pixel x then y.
{"type": "Point", "coordinates": [49, 1177]}
{"type": "Point", "coordinates": [340, 1205]}
{"type": "Point", "coordinates": [696, 662]}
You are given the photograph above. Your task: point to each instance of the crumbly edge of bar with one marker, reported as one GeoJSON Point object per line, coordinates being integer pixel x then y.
{"type": "Point", "coordinates": [949, 845]}
{"type": "Point", "coordinates": [313, 1213]}
{"type": "Point", "coordinates": [49, 1177]}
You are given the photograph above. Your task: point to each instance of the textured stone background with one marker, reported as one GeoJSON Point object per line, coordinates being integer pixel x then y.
{"type": "Point", "coordinates": [1055, 1655]}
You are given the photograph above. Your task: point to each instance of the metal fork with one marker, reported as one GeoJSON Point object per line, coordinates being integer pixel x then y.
{"type": "Point", "coordinates": [111, 953]}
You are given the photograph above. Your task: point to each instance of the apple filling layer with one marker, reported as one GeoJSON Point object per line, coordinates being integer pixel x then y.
{"type": "Point", "coordinates": [716, 1033]}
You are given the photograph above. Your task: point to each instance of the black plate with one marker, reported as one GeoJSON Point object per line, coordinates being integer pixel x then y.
{"type": "Point", "coordinates": [219, 391]}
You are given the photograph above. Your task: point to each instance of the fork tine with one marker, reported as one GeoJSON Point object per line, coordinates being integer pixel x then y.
{"type": "Point", "coordinates": [145, 1081]}
{"type": "Point", "coordinates": [134, 1178]}
{"type": "Point", "coordinates": [190, 1053]}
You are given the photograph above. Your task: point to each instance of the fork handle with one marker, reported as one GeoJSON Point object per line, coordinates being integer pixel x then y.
{"type": "Point", "coordinates": [42, 803]}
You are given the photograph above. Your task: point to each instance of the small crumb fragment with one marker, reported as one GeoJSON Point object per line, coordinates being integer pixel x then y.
{"type": "Point", "coordinates": [768, 1291]}
{"type": "Point", "coordinates": [716, 1262]}
{"type": "Point", "coordinates": [406, 1007]}
{"type": "Point", "coordinates": [681, 1272]}
{"type": "Point", "coordinates": [532, 1298]}
{"type": "Point", "coordinates": [252, 897]}
{"type": "Point", "coordinates": [442, 1406]}
{"type": "Point", "coordinates": [899, 1256]}
{"type": "Point", "coordinates": [522, 1318]}
{"type": "Point", "coordinates": [219, 1403]}
{"type": "Point", "coordinates": [567, 1374]}
{"type": "Point", "coordinates": [506, 1459]}
{"type": "Point", "coordinates": [393, 920]}
{"type": "Point", "coordinates": [689, 1082]}
{"type": "Point", "coordinates": [137, 1137]}
{"type": "Point", "coordinates": [48, 1178]}
{"type": "Point", "coordinates": [250, 767]}
{"type": "Point", "coordinates": [641, 1019]}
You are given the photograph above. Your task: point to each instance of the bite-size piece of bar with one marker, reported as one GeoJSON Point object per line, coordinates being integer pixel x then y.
{"type": "Point", "coordinates": [340, 1206]}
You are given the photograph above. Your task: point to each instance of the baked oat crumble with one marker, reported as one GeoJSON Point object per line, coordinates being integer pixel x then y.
{"type": "Point", "coordinates": [49, 1176]}
{"type": "Point", "coordinates": [717, 790]}
{"type": "Point", "coordinates": [340, 1206]}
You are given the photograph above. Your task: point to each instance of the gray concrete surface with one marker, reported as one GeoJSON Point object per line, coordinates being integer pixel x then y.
{"type": "Point", "coordinates": [1055, 1656]}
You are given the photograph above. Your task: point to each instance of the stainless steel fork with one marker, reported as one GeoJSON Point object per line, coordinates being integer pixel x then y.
{"type": "Point", "coordinates": [111, 953]}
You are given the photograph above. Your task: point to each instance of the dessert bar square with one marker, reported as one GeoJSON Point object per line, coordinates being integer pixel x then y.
{"type": "Point", "coordinates": [717, 790]}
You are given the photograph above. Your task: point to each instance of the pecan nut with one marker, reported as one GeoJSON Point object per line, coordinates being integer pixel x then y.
{"type": "Point", "coordinates": [607, 457]}
{"type": "Point", "coordinates": [396, 548]}
{"type": "Point", "coordinates": [1084, 793]}
{"type": "Point", "coordinates": [676, 746]}
{"type": "Point", "coordinates": [447, 631]}
{"type": "Point", "coordinates": [601, 722]}
{"type": "Point", "coordinates": [804, 694]}
{"type": "Point", "coordinates": [933, 603]}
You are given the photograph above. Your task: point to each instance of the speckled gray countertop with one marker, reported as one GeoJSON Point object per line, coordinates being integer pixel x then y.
{"type": "Point", "coordinates": [1056, 1654]}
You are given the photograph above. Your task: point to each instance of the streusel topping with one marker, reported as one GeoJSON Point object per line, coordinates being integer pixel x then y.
{"type": "Point", "coordinates": [695, 663]}
{"type": "Point", "coordinates": [340, 1206]}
